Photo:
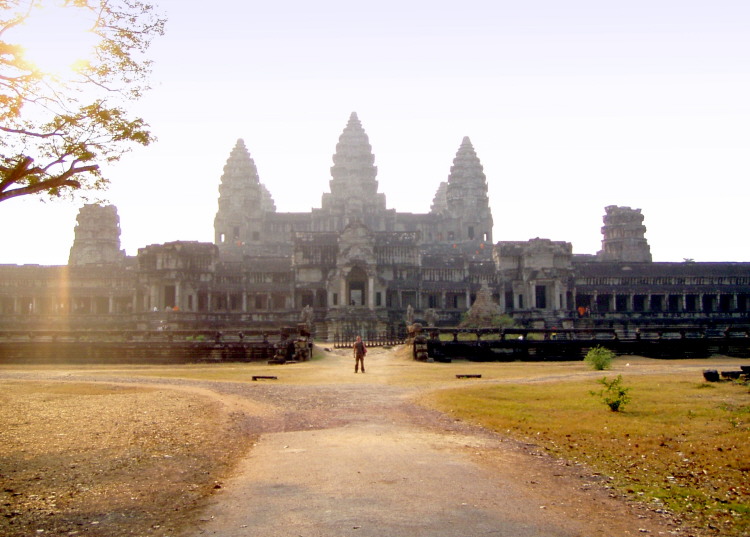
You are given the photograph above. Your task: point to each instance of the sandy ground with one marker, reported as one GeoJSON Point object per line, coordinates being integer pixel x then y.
{"type": "Point", "coordinates": [337, 454]}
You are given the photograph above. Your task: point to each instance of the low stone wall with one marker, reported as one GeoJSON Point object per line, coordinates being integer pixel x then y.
{"type": "Point", "coordinates": [139, 352]}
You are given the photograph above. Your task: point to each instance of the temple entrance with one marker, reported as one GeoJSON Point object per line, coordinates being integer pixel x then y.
{"type": "Point", "coordinates": [356, 285]}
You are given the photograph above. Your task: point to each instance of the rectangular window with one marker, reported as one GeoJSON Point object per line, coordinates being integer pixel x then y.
{"type": "Point", "coordinates": [378, 299]}
{"type": "Point", "coordinates": [335, 299]}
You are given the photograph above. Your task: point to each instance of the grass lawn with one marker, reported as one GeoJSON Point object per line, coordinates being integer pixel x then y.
{"type": "Point", "coordinates": [680, 443]}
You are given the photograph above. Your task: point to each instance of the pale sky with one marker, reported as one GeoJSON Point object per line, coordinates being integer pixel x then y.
{"type": "Point", "coordinates": [571, 105]}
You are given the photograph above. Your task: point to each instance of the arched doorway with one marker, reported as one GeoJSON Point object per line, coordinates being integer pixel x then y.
{"type": "Point", "coordinates": [356, 287]}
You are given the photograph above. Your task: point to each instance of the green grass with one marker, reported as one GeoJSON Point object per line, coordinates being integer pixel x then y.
{"type": "Point", "coordinates": [681, 443]}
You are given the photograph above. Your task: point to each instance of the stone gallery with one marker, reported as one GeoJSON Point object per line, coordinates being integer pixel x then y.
{"type": "Point", "coordinates": [355, 266]}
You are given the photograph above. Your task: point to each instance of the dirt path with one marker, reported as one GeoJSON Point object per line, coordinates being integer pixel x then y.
{"type": "Point", "coordinates": [356, 457]}
{"type": "Point", "coordinates": [340, 454]}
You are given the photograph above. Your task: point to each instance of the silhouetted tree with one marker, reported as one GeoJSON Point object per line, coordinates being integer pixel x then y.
{"type": "Point", "coordinates": [58, 128]}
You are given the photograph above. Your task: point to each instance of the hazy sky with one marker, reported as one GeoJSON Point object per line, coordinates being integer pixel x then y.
{"type": "Point", "coordinates": [571, 106]}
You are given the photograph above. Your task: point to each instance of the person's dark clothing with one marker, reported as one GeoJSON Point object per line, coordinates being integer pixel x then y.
{"type": "Point", "coordinates": [359, 356]}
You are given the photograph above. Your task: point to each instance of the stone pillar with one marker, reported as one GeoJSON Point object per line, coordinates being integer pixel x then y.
{"type": "Point", "coordinates": [178, 295]}
{"type": "Point", "coordinates": [244, 302]}
{"type": "Point", "coordinates": [111, 305]}
{"type": "Point", "coordinates": [154, 298]}
{"type": "Point", "coordinates": [344, 297]}
{"type": "Point", "coordinates": [371, 292]}
{"type": "Point", "coordinates": [629, 302]}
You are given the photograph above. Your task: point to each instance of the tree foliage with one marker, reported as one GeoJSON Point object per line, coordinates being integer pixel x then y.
{"type": "Point", "coordinates": [614, 394]}
{"type": "Point", "coordinates": [57, 130]}
{"type": "Point", "coordinates": [599, 358]}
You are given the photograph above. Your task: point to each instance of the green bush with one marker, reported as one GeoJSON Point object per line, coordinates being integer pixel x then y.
{"type": "Point", "coordinates": [599, 358]}
{"type": "Point", "coordinates": [614, 394]}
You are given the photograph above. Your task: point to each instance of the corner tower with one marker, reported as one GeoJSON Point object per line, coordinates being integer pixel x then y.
{"type": "Point", "coordinates": [97, 236]}
{"type": "Point", "coordinates": [624, 236]}
{"type": "Point", "coordinates": [463, 201]}
{"type": "Point", "coordinates": [243, 204]}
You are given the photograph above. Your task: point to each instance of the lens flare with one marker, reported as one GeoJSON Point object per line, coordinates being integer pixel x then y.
{"type": "Point", "coordinates": [56, 39]}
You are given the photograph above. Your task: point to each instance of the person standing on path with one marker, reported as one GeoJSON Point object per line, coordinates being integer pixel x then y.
{"type": "Point", "coordinates": [359, 354]}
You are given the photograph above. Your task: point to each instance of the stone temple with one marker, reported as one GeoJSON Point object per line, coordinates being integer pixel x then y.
{"type": "Point", "coordinates": [357, 266]}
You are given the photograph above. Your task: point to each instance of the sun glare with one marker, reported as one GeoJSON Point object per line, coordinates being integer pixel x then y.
{"type": "Point", "coordinates": [56, 38]}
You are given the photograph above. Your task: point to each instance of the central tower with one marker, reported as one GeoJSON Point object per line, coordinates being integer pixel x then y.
{"type": "Point", "coordinates": [354, 190]}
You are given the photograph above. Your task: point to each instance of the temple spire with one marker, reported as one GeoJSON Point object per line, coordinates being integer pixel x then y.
{"type": "Point", "coordinates": [354, 189]}
{"type": "Point", "coordinates": [243, 203]}
{"type": "Point", "coordinates": [464, 201]}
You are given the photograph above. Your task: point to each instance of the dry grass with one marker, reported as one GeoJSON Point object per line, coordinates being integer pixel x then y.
{"type": "Point", "coordinates": [681, 443]}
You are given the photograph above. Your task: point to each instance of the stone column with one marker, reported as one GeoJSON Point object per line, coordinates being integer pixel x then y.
{"type": "Point", "coordinates": [244, 302]}
{"type": "Point", "coordinates": [111, 305]}
{"type": "Point", "coordinates": [344, 300]}
{"type": "Point", "coordinates": [371, 292]}
{"type": "Point", "coordinates": [154, 298]}
{"type": "Point", "coordinates": [629, 302]}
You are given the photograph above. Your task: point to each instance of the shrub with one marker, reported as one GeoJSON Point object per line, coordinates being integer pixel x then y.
{"type": "Point", "coordinates": [614, 394]}
{"type": "Point", "coordinates": [599, 358]}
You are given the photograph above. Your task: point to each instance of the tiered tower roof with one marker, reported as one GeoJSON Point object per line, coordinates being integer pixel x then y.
{"type": "Point", "coordinates": [240, 180]}
{"type": "Point", "coordinates": [466, 192]}
{"type": "Point", "coordinates": [353, 184]}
